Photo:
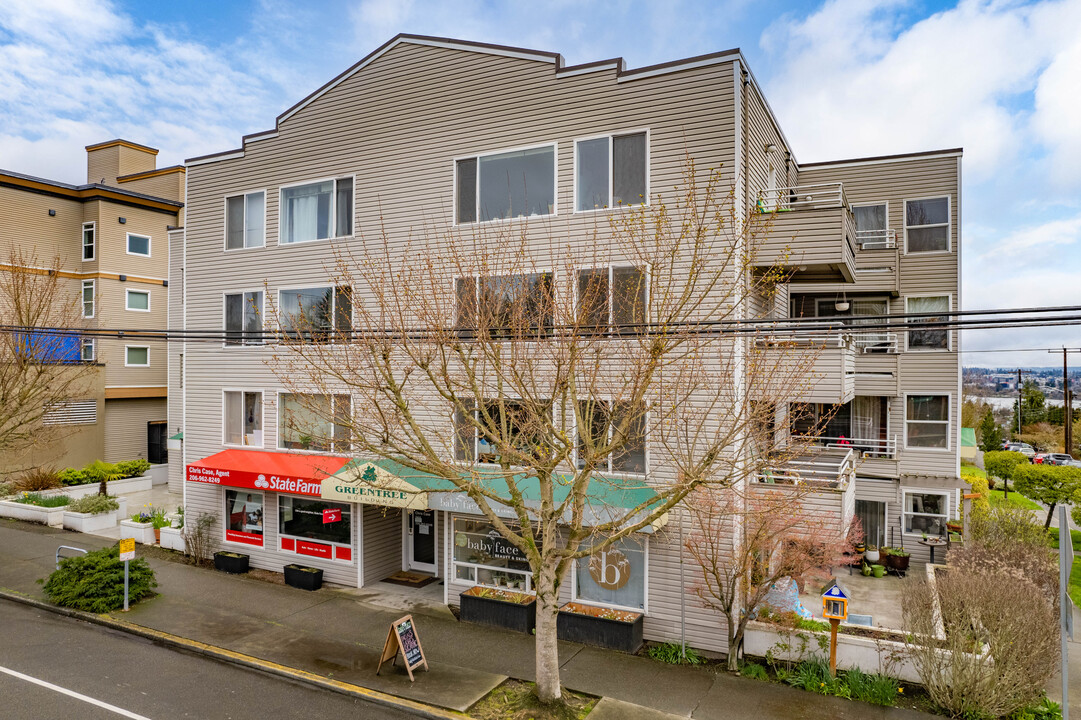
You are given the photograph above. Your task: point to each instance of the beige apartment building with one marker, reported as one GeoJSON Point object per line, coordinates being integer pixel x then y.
{"type": "Point", "coordinates": [402, 139]}
{"type": "Point", "coordinates": [111, 237]}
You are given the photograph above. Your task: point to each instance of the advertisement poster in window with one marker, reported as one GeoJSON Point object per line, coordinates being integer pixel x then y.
{"type": "Point", "coordinates": [244, 517]}
{"type": "Point", "coordinates": [614, 576]}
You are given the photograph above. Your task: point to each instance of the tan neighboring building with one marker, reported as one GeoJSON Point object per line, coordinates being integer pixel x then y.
{"type": "Point", "coordinates": [111, 236]}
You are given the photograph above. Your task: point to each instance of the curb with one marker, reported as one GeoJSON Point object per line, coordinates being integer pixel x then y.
{"type": "Point", "coordinates": [375, 697]}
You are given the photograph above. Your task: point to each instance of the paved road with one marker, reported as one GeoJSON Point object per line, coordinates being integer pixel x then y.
{"type": "Point", "coordinates": [47, 662]}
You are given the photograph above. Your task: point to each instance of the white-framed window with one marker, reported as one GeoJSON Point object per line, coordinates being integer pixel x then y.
{"type": "Point", "coordinates": [316, 211]}
{"type": "Point", "coordinates": [89, 240]}
{"type": "Point", "coordinates": [471, 445]}
{"type": "Point", "coordinates": [615, 577]}
{"type": "Point", "coordinates": [244, 318]}
{"type": "Point", "coordinates": [937, 338]}
{"type": "Point", "coordinates": [927, 225]}
{"type": "Point", "coordinates": [611, 296]}
{"type": "Point", "coordinates": [508, 184]}
{"type": "Point", "coordinates": [925, 511]}
{"type": "Point", "coordinates": [307, 528]}
{"type": "Point", "coordinates": [482, 556]}
{"type": "Point", "coordinates": [603, 419]}
{"type": "Point", "coordinates": [244, 517]}
{"type": "Point", "coordinates": [309, 421]}
{"type": "Point", "coordinates": [506, 304]}
{"type": "Point", "coordinates": [611, 171]}
{"type": "Point", "coordinates": [138, 244]}
{"type": "Point", "coordinates": [245, 220]}
{"type": "Point", "coordinates": [319, 314]}
{"type": "Point", "coordinates": [89, 295]}
{"type": "Point", "coordinates": [136, 356]}
{"type": "Point", "coordinates": [242, 418]}
{"type": "Point", "coordinates": [87, 350]}
{"type": "Point", "coordinates": [927, 421]}
{"type": "Point", "coordinates": [872, 225]}
{"type": "Point", "coordinates": [137, 300]}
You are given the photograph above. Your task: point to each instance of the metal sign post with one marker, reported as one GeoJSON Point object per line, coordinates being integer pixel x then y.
{"type": "Point", "coordinates": [1065, 565]}
{"type": "Point", "coordinates": [127, 553]}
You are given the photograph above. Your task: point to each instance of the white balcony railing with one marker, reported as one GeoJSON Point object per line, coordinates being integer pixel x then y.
{"type": "Point", "coordinates": [828, 467]}
{"type": "Point", "coordinates": [876, 342]}
{"type": "Point", "coordinates": [876, 239]}
{"type": "Point", "coordinates": [879, 448]}
{"type": "Point", "coordinates": [803, 197]}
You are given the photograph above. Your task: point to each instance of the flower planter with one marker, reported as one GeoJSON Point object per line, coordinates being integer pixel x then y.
{"type": "Point", "coordinates": [897, 563]}
{"type": "Point", "coordinates": [612, 629]}
{"type": "Point", "coordinates": [88, 523]}
{"type": "Point", "coordinates": [230, 562]}
{"type": "Point", "coordinates": [496, 612]}
{"type": "Point", "coordinates": [871, 556]}
{"type": "Point", "coordinates": [53, 517]}
{"type": "Point", "coordinates": [142, 532]}
{"type": "Point", "coordinates": [173, 539]}
{"type": "Point", "coordinates": [128, 485]}
{"type": "Point", "coordinates": [305, 578]}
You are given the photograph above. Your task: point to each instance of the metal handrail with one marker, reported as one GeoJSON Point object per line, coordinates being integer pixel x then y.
{"type": "Point", "coordinates": [67, 547]}
{"type": "Point", "coordinates": [798, 472]}
{"type": "Point", "coordinates": [867, 447]}
{"type": "Point", "coordinates": [803, 197]}
{"type": "Point", "coordinates": [870, 342]}
{"type": "Point", "coordinates": [876, 239]}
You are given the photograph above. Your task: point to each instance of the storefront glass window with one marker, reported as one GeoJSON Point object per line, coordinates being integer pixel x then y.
{"type": "Point", "coordinates": [484, 557]}
{"type": "Point", "coordinates": [315, 519]}
{"type": "Point", "coordinates": [615, 576]}
{"type": "Point", "coordinates": [244, 517]}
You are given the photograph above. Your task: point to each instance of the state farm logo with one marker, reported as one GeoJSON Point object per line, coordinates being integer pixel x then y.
{"type": "Point", "coordinates": [610, 569]}
{"type": "Point", "coordinates": [261, 482]}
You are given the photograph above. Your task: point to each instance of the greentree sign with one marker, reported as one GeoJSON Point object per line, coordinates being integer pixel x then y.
{"type": "Point", "coordinates": [372, 485]}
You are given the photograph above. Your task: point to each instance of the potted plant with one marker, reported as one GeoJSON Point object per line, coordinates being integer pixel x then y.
{"type": "Point", "coordinates": [230, 562]}
{"type": "Point", "coordinates": [499, 608]}
{"type": "Point", "coordinates": [899, 560]}
{"type": "Point", "coordinates": [861, 547]}
{"type": "Point", "coordinates": [601, 627]}
{"type": "Point", "coordinates": [871, 554]}
{"type": "Point", "coordinates": [303, 577]}
{"type": "Point", "coordinates": [159, 521]}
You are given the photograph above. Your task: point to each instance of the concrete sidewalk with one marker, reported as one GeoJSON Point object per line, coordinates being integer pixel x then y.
{"type": "Point", "coordinates": [338, 635]}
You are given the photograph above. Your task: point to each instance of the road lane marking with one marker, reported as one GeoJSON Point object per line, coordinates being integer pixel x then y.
{"type": "Point", "coordinates": [72, 693]}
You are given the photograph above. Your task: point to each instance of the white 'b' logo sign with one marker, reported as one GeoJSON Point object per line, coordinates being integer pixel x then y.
{"type": "Point", "coordinates": [610, 569]}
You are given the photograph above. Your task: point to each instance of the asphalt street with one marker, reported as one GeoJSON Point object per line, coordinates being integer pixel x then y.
{"type": "Point", "coordinates": [57, 667]}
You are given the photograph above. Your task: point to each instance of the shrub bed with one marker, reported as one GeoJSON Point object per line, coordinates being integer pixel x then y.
{"type": "Point", "coordinates": [94, 504]}
{"type": "Point", "coordinates": [99, 471]}
{"type": "Point", "coordinates": [95, 582]}
{"type": "Point", "coordinates": [50, 501]}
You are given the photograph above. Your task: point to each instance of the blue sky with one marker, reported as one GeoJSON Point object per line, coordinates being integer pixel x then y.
{"type": "Point", "coordinates": [847, 78]}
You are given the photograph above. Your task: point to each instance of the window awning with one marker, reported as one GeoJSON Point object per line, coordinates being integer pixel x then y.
{"type": "Point", "coordinates": [262, 470]}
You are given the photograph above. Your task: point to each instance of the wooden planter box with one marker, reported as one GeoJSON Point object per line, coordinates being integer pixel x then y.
{"type": "Point", "coordinates": [173, 539]}
{"type": "Point", "coordinates": [142, 532]}
{"type": "Point", "coordinates": [303, 577]}
{"type": "Point", "coordinates": [230, 562]}
{"type": "Point", "coordinates": [87, 523]}
{"type": "Point", "coordinates": [495, 612]}
{"type": "Point", "coordinates": [588, 625]}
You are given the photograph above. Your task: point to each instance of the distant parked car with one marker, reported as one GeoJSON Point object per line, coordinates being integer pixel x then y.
{"type": "Point", "coordinates": [1057, 459]}
{"type": "Point", "coordinates": [1041, 459]}
{"type": "Point", "coordinates": [1023, 448]}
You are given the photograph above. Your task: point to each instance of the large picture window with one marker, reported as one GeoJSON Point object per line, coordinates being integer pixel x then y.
{"type": "Point", "coordinates": [603, 420]}
{"type": "Point", "coordinates": [245, 218]}
{"type": "Point", "coordinates": [610, 172]}
{"type": "Point", "coordinates": [927, 421]}
{"type": "Point", "coordinates": [611, 297]}
{"type": "Point", "coordinates": [316, 211]}
{"type": "Point", "coordinates": [244, 517]}
{"type": "Point", "coordinates": [244, 318]}
{"type": "Point", "coordinates": [926, 511]}
{"type": "Point", "coordinates": [313, 422]}
{"type": "Point", "coordinates": [936, 338]}
{"type": "Point", "coordinates": [243, 418]}
{"type": "Point", "coordinates": [506, 185]}
{"type": "Point", "coordinates": [318, 314]}
{"type": "Point", "coordinates": [927, 225]}
{"type": "Point", "coordinates": [311, 519]}
{"type": "Point", "coordinates": [482, 556]}
{"type": "Point", "coordinates": [613, 577]}
{"type": "Point", "coordinates": [507, 305]}
{"type": "Point", "coordinates": [471, 444]}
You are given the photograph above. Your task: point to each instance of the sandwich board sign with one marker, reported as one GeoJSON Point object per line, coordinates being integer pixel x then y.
{"type": "Point", "coordinates": [403, 637]}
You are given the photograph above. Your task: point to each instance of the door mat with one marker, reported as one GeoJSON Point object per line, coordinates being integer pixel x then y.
{"type": "Point", "coordinates": [410, 579]}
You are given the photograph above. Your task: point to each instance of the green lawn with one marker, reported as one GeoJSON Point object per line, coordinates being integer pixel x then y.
{"type": "Point", "coordinates": [1015, 499]}
{"type": "Point", "coordinates": [1075, 573]}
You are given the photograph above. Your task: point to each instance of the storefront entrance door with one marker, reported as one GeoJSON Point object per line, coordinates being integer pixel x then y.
{"type": "Point", "coordinates": [422, 535]}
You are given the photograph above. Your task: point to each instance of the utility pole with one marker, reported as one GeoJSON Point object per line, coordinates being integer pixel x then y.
{"type": "Point", "coordinates": [1067, 400]}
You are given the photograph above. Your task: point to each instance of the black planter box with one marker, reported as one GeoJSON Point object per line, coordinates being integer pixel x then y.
{"type": "Point", "coordinates": [600, 632]}
{"type": "Point", "coordinates": [498, 613]}
{"type": "Point", "coordinates": [231, 563]}
{"type": "Point", "coordinates": [302, 577]}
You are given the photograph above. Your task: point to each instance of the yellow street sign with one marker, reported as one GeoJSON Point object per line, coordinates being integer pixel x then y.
{"type": "Point", "coordinates": [127, 549]}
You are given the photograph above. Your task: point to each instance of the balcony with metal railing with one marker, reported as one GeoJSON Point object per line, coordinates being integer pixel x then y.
{"type": "Point", "coordinates": [810, 232]}
{"type": "Point", "coordinates": [882, 448]}
{"type": "Point", "coordinates": [822, 467]}
{"type": "Point", "coordinates": [827, 363]}
{"type": "Point", "coordinates": [876, 239]}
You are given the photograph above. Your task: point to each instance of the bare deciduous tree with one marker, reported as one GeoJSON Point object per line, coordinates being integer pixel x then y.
{"type": "Point", "coordinates": [40, 365]}
{"type": "Point", "coordinates": [537, 373]}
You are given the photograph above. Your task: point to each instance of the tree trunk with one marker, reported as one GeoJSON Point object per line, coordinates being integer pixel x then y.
{"type": "Point", "coordinates": [735, 637]}
{"type": "Point", "coordinates": [1050, 514]}
{"type": "Point", "coordinates": [547, 652]}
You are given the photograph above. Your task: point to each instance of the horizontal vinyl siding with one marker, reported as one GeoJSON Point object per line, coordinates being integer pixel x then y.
{"type": "Point", "coordinates": [126, 427]}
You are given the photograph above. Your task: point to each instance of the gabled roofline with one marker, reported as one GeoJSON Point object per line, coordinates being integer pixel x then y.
{"type": "Point", "coordinates": [84, 193]}
{"type": "Point", "coordinates": [616, 64]}
{"type": "Point", "coordinates": [876, 159]}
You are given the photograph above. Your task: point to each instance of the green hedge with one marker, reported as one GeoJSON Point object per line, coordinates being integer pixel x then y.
{"type": "Point", "coordinates": [97, 471]}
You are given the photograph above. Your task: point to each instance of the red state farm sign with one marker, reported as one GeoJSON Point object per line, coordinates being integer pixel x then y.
{"type": "Point", "coordinates": [254, 480]}
{"type": "Point", "coordinates": [332, 515]}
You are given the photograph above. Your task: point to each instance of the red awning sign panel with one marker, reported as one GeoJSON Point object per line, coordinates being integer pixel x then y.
{"type": "Point", "coordinates": [258, 470]}
{"type": "Point", "coordinates": [332, 515]}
